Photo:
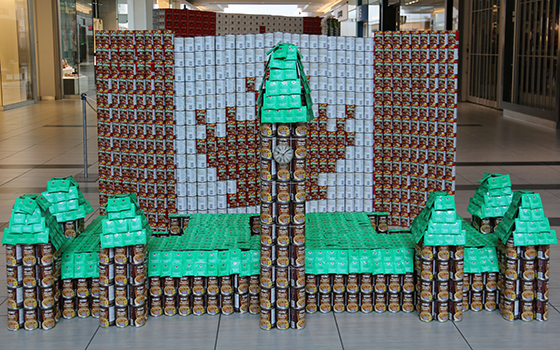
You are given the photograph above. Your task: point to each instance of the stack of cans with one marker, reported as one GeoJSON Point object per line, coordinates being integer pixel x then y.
{"type": "Point", "coordinates": [199, 295]}
{"type": "Point", "coordinates": [480, 291]}
{"type": "Point", "coordinates": [439, 282]}
{"type": "Point", "coordinates": [360, 292]}
{"type": "Point", "coordinates": [33, 272]}
{"type": "Point", "coordinates": [523, 281]}
{"type": "Point", "coordinates": [283, 294]}
{"type": "Point", "coordinates": [80, 297]}
{"type": "Point", "coordinates": [122, 286]}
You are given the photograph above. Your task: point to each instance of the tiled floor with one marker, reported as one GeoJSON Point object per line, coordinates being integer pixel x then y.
{"type": "Point", "coordinates": [45, 140]}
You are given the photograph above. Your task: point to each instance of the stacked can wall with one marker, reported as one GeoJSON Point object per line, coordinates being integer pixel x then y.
{"type": "Point", "coordinates": [373, 146]}
{"type": "Point", "coordinates": [135, 120]}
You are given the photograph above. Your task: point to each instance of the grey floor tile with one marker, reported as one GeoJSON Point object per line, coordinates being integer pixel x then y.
{"type": "Point", "coordinates": [396, 331]}
{"type": "Point", "coordinates": [488, 330]}
{"type": "Point", "coordinates": [164, 332]}
{"type": "Point", "coordinates": [243, 332]}
{"type": "Point", "coordinates": [72, 334]}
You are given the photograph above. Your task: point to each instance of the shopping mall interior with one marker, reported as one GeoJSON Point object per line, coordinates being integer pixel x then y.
{"type": "Point", "coordinates": [502, 118]}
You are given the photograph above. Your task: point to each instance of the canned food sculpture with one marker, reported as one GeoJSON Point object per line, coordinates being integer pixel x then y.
{"type": "Point", "coordinates": [284, 107]}
{"type": "Point", "coordinates": [524, 252]}
{"type": "Point", "coordinates": [490, 202]}
{"type": "Point", "coordinates": [123, 264]}
{"type": "Point", "coordinates": [439, 261]}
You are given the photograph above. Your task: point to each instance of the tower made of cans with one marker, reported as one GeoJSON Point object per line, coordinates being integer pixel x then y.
{"type": "Point", "coordinates": [284, 107]}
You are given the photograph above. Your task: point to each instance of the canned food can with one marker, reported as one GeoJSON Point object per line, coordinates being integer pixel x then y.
{"type": "Point", "coordinates": [366, 283]}
{"type": "Point", "coordinates": [121, 316]}
{"type": "Point", "coordinates": [541, 310]}
{"type": "Point", "coordinates": [155, 286]}
{"type": "Point", "coordinates": [408, 283]}
{"type": "Point", "coordinates": [138, 316]}
{"type": "Point", "coordinates": [282, 298]}
{"type": "Point", "coordinates": [31, 319]}
{"type": "Point", "coordinates": [121, 275]}
{"type": "Point", "coordinates": [136, 254]}
{"type": "Point", "coordinates": [106, 256]}
{"type": "Point", "coordinates": [121, 296]}
{"type": "Point", "coordinates": [283, 259]}
{"type": "Point", "coordinates": [268, 277]}
{"type": "Point", "coordinates": [311, 303]}
{"type": "Point", "coordinates": [394, 302]}
{"type": "Point", "coordinates": [137, 274]}
{"type": "Point", "coordinates": [254, 284]}
{"type": "Point", "coordinates": [426, 311]}
{"type": "Point", "coordinates": [297, 318]}
{"type": "Point", "coordinates": [29, 257]}
{"type": "Point", "coordinates": [325, 302]}
{"type": "Point", "coordinates": [268, 319]}
{"type": "Point", "coordinates": [199, 286]}
{"type": "Point", "coordinates": [379, 302]}
{"type": "Point", "coordinates": [95, 308]}
{"type": "Point", "coordinates": [106, 274]}
{"type": "Point", "coordinates": [213, 285]}
{"type": "Point", "coordinates": [254, 304]}
{"type": "Point", "coordinates": [213, 305]}
{"type": "Point", "coordinates": [380, 284]}
{"type": "Point", "coordinates": [137, 295]}
{"type": "Point", "coordinates": [69, 308]}
{"type": "Point", "coordinates": [297, 298]}
{"type": "Point", "coordinates": [441, 309]}
{"type": "Point", "coordinates": [267, 298]}
{"type": "Point", "coordinates": [339, 284]}
{"type": "Point", "coordinates": [170, 305]}
{"type": "Point", "coordinates": [46, 318]}
{"type": "Point", "coordinates": [527, 311]}
{"type": "Point", "coordinates": [15, 298]}
{"type": "Point", "coordinates": [311, 284]}
{"type": "Point", "coordinates": [121, 255]}
{"type": "Point", "coordinates": [29, 297]}
{"type": "Point", "coordinates": [366, 302]}
{"type": "Point", "coordinates": [298, 278]}
{"type": "Point", "coordinates": [15, 319]}
{"type": "Point", "coordinates": [107, 316]}
{"type": "Point", "coordinates": [199, 305]}
{"type": "Point", "coordinates": [352, 302]}
{"type": "Point", "coordinates": [282, 277]}
{"type": "Point", "coordinates": [156, 306]}
{"type": "Point", "coordinates": [407, 302]}
{"type": "Point", "coordinates": [325, 283]}
{"type": "Point", "coordinates": [30, 276]}
{"type": "Point", "coordinates": [226, 285]}
{"type": "Point", "coordinates": [14, 255]}
{"type": "Point", "coordinates": [241, 284]}
{"type": "Point", "coordinates": [83, 307]}
{"type": "Point", "coordinates": [510, 309]}
{"type": "Point", "coordinates": [226, 302]}
{"type": "Point", "coordinates": [283, 319]}
{"type": "Point", "coordinates": [241, 303]}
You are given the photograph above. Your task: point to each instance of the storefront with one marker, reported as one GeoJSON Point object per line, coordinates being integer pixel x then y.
{"type": "Point", "coordinates": [17, 80]}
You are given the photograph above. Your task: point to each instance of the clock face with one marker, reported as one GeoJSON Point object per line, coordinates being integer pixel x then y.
{"type": "Point", "coordinates": [283, 154]}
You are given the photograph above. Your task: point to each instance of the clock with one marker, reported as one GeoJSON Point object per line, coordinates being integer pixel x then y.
{"type": "Point", "coordinates": [283, 154]}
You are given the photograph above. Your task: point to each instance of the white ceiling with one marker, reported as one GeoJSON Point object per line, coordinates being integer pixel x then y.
{"type": "Point", "coordinates": [317, 7]}
{"type": "Point", "coordinates": [314, 7]}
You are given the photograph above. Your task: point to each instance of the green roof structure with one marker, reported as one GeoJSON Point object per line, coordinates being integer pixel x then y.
{"type": "Point", "coordinates": [342, 243]}
{"type": "Point", "coordinates": [80, 255]}
{"type": "Point", "coordinates": [525, 220]}
{"type": "Point", "coordinates": [438, 223]}
{"type": "Point", "coordinates": [284, 95]}
{"type": "Point", "coordinates": [212, 245]}
{"type": "Point", "coordinates": [65, 200]}
{"type": "Point", "coordinates": [125, 224]}
{"type": "Point", "coordinates": [492, 198]}
{"type": "Point", "coordinates": [32, 223]}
